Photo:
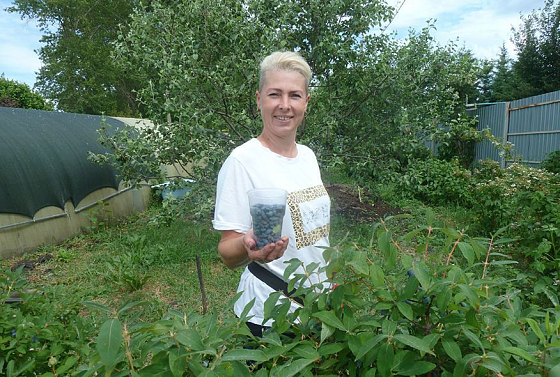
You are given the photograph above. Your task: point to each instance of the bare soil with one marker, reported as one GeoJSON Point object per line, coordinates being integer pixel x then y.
{"type": "Point", "coordinates": [356, 205]}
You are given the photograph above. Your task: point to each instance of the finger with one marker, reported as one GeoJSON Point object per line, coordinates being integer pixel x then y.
{"type": "Point", "coordinates": [276, 253]}
{"type": "Point", "coordinates": [260, 255]}
{"type": "Point", "coordinates": [249, 240]}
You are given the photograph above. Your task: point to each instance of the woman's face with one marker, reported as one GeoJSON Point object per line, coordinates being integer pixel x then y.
{"type": "Point", "coordinates": [282, 101]}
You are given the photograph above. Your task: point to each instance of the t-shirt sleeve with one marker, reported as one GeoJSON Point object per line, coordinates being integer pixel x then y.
{"type": "Point", "coordinates": [232, 206]}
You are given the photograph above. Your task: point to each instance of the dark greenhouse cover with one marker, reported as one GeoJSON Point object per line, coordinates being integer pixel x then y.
{"type": "Point", "coordinates": [44, 159]}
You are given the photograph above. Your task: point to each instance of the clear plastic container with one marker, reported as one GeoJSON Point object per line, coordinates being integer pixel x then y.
{"type": "Point", "coordinates": [268, 206]}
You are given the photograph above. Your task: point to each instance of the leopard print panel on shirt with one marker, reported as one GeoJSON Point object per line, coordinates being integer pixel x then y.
{"type": "Point", "coordinates": [301, 217]}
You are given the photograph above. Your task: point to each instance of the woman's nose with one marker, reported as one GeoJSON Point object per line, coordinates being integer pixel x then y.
{"type": "Point", "coordinates": [285, 102]}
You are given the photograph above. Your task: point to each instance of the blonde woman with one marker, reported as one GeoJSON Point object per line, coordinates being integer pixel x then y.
{"type": "Point", "coordinates": [273, 160]}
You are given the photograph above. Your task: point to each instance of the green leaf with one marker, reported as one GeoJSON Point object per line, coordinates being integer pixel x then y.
{"type": "Point", "coordinates": [551, 296]}
{"type": "Point", "coordinates": [452, 349]}
{"type": "Point", "coordinates": [377, 276]}
{"type": "Point", "coordinates": [414, 342]}
{"type": "Point", "coordinates": [492, 364]}
{"type": "Point", "coordinates": [431, 339]}
{"type": "Point", "coordinates": [69, 363]}
{"type": "Point", "coordinates": [10, 368]}
{"type": "Point", "coordinates": [328, 317]}
{"type": "Point", "coordinates": [305, 351]}
{"type": "Point", "coordinates": [109, 341]}
{"type": "Point", "coordinates": [293, 368]}
{"type": "Point", "coordinates": [417, 368]}
{"type": "Point", "coordinates": [270, 304]}
{"type": "Point", "coordinates": [536, 329]}
{"type": "Point", "coordinates": [359, 264]}
{"type": "Point", "coordinates": [244, 355]}
{"type": "Point", "coordinates": [330, 348]}
{"type": "Point", "coordinates": [29, 364]}
{"type": "Point", "coordinates": [95, 305]}
{"type": "Point", "coordinates": [473, 338]}
{"type": "Point", "coordinates": [519, 352]}
{"type": "Point", "coordinates": [467, 252]}
{"type": "Point", "coordinates": [190, 338]}
{"type": "Point", "coordinates": [240, 369]}
{"type": "Point", "coordinates": [470, 294]}
{"type": "Point", "coordinates": [389, 327]}
{"type": "Point", "coordinates": [555, 371]}
{"type": "Point", "coordinates": [384, 243]}
{"type": "Point", "coordinates": [443, 298]}
{"type": "Point", "coordinates": [406, 310]}
{"type": "Point", "coordinates": [326, 331]}
{"type": "Point", "coordinates": [293, 265]}
{"type": "Point", "coordinates": [406, 261]}
{"type": "Point", "coordinates": [410, 235]}
{"type": "Point", "coordinates": [131, 305]}
{"type": "Point", "coordinates": [391, 257]}
{"type": "Point", "coordinates": [429, 216]}
{"type": "Point", "coordinates": [504, 241]}
{"type": "Point", "coordinates": [464, 365]}
{"type": "Point", "coordinates": [422, 275]}
{"type": "Point", "coordinates": [177, 361]}
{"type": "Point", "coordinates": [385, 359]}
{"type": "Point", "coordinates": [369, 345]}
{"type": "Point", "coordinates": [246, 310]}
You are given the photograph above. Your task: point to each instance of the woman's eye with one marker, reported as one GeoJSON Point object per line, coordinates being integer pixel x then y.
{"type": "Point", "coordinates": [273, 95]}
{"type": "Point", "coordinates": [296, 96]}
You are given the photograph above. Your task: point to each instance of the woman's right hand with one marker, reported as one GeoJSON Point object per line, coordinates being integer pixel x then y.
{"type": "Point", "coordinates": [269, 253]}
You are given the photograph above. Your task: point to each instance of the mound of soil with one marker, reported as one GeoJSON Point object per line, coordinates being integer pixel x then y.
{"type": "Point", "coordinates": [361, 207]}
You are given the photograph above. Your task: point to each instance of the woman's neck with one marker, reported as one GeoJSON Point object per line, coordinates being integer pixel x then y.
{"type": "Point", "coordinates": [283, 146]}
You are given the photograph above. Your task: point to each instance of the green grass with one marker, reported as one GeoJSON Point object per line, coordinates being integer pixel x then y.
{"type": "Point", "coordinates": [135, 259]}
{"type": "Point", "coordinates": [142, 259]}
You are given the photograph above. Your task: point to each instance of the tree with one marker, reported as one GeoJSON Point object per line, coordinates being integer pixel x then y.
{"type": "Point", "coordinates": [503, 79]}
{"type": "Point", "coordinates": [537, 42]}
{"type": "Point", "coordinates": [373, 100]}
{"type": "Point", "coordinates": [78, 72]}
{"type": "Point", "coordinates": [200, 62]}
{"type": "Point", "coordinates": [15, 94]}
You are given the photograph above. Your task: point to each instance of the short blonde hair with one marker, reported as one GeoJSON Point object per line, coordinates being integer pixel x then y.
{"type": "Point", "coordinates": [284, 60]}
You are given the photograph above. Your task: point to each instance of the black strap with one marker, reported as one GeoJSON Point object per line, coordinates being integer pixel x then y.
{"type": "Point", "coordinates": [272, 280]}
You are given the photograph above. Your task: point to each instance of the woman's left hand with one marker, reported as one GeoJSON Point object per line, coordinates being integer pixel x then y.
{"type": "Point", "coordinates": [269, 253]}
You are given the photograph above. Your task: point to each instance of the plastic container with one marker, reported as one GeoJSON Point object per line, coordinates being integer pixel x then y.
{"type": "Point", "coordinates": [268, 206]}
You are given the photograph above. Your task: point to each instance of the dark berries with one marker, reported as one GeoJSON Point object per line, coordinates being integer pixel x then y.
{"type": "Point", "coordinates": [267, 222]}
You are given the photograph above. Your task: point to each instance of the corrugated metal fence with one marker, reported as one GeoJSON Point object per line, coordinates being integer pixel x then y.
{"type": "Point", "coordinates": [531, 124]}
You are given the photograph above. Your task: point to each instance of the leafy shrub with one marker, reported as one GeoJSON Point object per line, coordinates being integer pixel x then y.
{"type": "Point", "coordinates": [42, 334]}
{"type": "Point", "coordinates": [552, 162]}
{"type": "Point", "coordinates": [391, 311]}
{"type": "Point", "coordinates": [487, 170]}
{"type": "Point", "coordinates": [20, 95]}
{"type": "Point", "coordinates": [527, 200]}
{"type": "Point", "coordinates": [436, 181]}
{"type": "Point", "coordinates": [457, 139]}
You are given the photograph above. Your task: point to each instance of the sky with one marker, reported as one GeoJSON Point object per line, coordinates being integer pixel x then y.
{"type": "Point", "coordinates": [481, 26]}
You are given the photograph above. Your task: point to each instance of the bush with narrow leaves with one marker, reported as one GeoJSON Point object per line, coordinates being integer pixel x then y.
{"type": "Point", "coordinates": [41, 335]}
{"type": "Point", "coordinates": [397, 307]}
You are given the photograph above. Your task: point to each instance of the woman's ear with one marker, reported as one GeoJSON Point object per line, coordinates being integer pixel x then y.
{"type": "Point", "coordinates": [257, 94]}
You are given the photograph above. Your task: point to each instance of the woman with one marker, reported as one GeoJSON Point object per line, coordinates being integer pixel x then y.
{"type": "Point", "coordinates": [273, 160]}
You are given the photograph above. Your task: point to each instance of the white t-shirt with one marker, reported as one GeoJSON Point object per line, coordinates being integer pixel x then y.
{"type": "Point", "coordinates": [307, 218]}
